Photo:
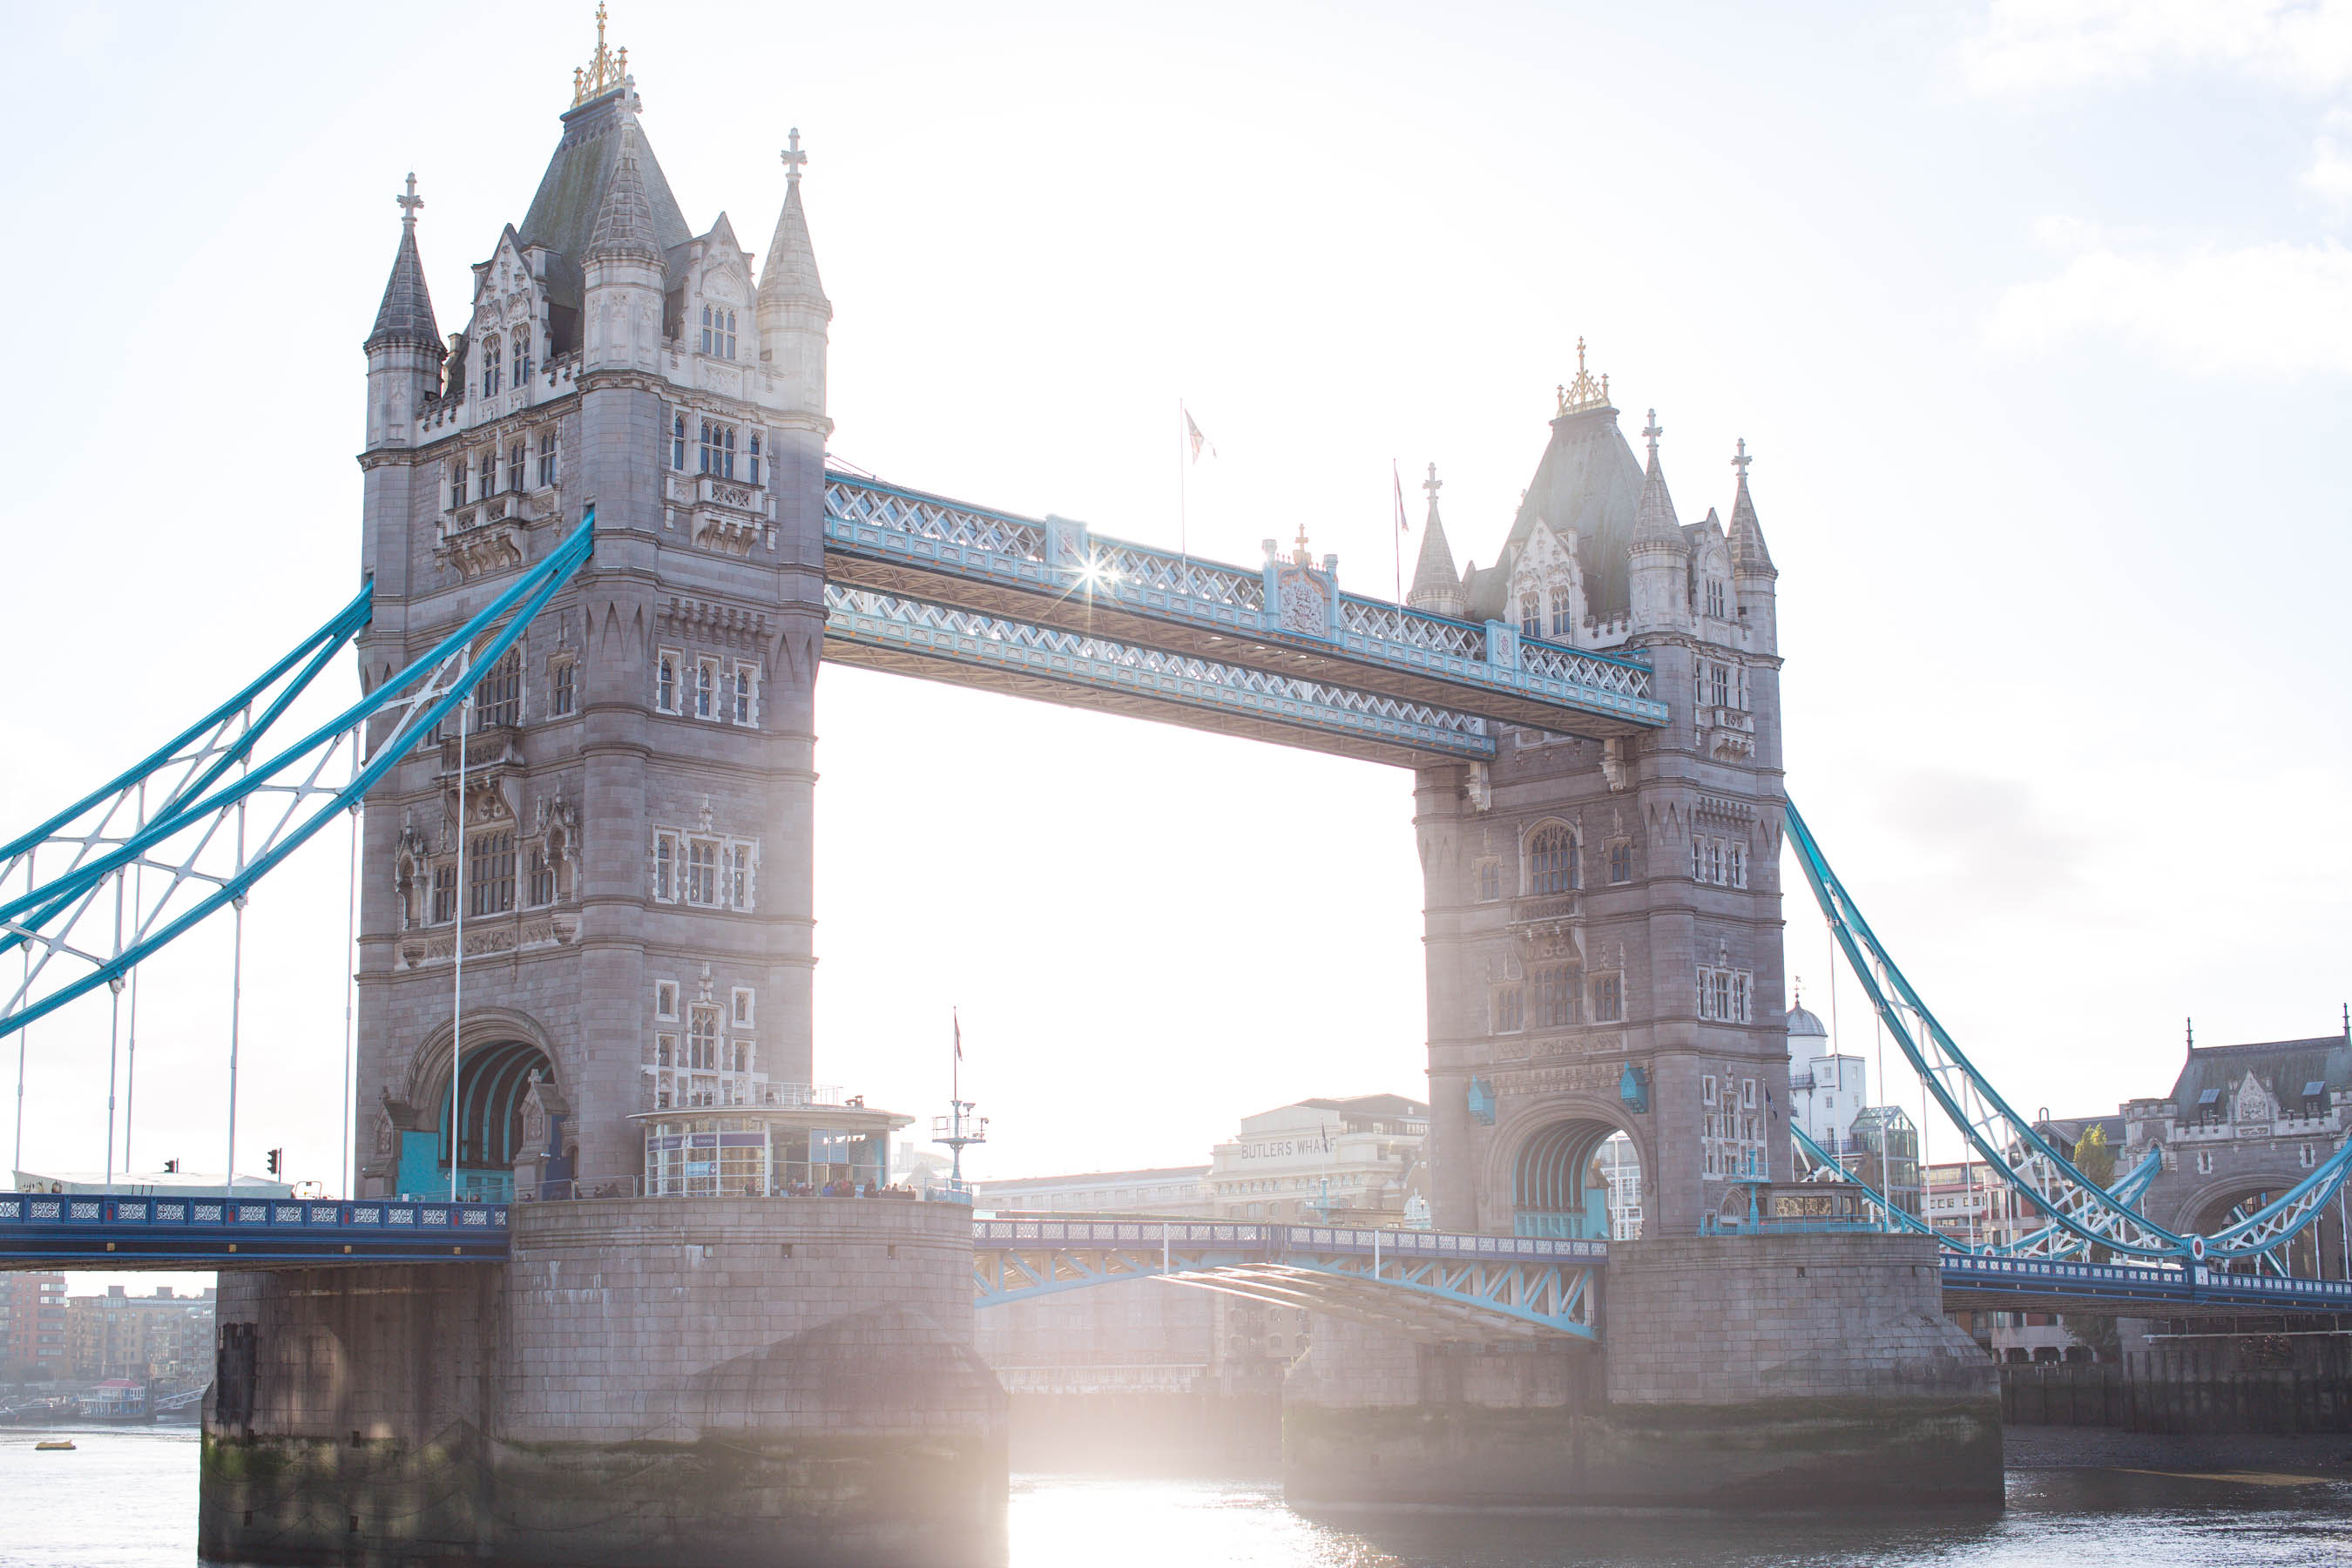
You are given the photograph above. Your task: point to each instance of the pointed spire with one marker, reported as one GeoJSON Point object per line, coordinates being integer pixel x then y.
{"type": "Point", "coordinates": [1747, 552]}
{"type": "Point", "coordinates": [406, 316]}
{"type": "Point", "coordinates": [1653, 516]}
{"type": "Point", "coordinates": [625, 219]}
{"type": "Point", "coordinates": [790, 272]}
{"type": "Point", "coordinates": [1436, 587]}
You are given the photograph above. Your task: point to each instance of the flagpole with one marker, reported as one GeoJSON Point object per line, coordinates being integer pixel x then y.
{"type": "Point", "coordinates": [1183, 520]}
{"type": "Point", "coordinates": [1396, 534]}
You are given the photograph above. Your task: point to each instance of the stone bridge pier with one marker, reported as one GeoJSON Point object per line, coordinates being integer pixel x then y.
{"type": "Point", "coordinates": [1746, 1372]}
{"type": "Point", "coordinates": [702, 1381]}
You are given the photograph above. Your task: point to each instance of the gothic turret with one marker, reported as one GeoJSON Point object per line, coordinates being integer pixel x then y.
{"type": "Point", "coordinates": [793, 312]}
{"type": "Point", "coordinates": [1752, 570]}
{"type": "Point", "coordinates": [403, 350]}
{"type": "Point", "coordinates": [1435, 585]}
{"type": "Point", "coordinates": [624, 269]}
{"type": "Point", "coordinates": [1656, 556]}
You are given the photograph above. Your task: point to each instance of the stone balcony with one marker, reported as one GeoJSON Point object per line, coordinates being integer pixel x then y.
{"type": "Point", "coordinates": [490, 534]}
{"type": "Point", "coordinates": [724, 516]}
{"type": "Point", "coordinates": [1726, 733]}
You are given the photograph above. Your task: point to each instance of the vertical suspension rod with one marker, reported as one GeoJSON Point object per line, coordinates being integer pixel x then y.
{"type": "Point", "coordinates": [457, 949]}
{"type": "Point", "coordinates": [349, 1177]}
{"type": "Point", "coordinates": [131, 1056]}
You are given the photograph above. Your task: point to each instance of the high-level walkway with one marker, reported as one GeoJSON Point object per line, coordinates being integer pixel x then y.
{"type": "Point", "coordinates": [920, 584]}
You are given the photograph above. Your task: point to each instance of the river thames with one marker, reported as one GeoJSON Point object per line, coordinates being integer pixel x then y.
{"type": "Point", "coordinates": [127, 1498]}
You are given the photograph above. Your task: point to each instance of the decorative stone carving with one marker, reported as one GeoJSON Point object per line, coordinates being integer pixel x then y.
{"type": "Point", "coordinates": [1302, 605]}
{"type": "Point", "coordinates": [477, 552]}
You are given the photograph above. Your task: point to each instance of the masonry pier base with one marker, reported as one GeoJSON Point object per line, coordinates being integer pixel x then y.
{"type": "Point", "coordinates": [678, 1381]}
{"type": "Point", "coordinates": [1782, 1372]}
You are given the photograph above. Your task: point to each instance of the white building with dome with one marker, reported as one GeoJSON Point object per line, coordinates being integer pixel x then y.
{"type": "Point", "coordinates": [1826, 1090]}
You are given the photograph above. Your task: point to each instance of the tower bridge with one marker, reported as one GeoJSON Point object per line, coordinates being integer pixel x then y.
{"type": "Point", "coordinates": [606, 554]}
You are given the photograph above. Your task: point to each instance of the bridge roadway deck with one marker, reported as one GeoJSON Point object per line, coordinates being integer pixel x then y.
{"type": "Point", "coordinates": [97, 1232]}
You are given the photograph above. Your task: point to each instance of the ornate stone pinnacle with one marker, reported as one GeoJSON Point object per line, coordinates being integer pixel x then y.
{"type": "Point", "coordinates": [409, 203]}
{"type": "Point", "coordinates": [1652, 431]}
{"type": "Point", "coordinates": [605, 70]}
{"type": "Point", "coordinates": [793, 158]}
{"type": "Point", "coordinates": [1741, 460]}
{"type": "Point", "coordinates": [1585, 392]}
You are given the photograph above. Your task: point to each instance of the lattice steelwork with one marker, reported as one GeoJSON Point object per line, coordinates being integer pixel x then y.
{"type": "Point", "coordinates": [1549, 661]}
{"type": "Point", "coordinates": [968, 637]}
{"type": "Point", "coordinates": [1815, 1163]}
{"type": "Point", "coordinates": [146, 858]}
{"type": "Point", "coordinates": [927, 517]}
{"type": "Point", "coordinates": [1396, 623]}
{"type": "Point", "coordinates": [2008, 1142]}
{"type": "Point", "coordinates": [1432, 1286]}
{"type": "Point", "coordinates": [892, 529]}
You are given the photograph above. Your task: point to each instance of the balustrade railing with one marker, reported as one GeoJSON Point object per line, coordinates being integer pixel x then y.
{"type": "Point", "coordinates": [1552, 662]}
{"type": "Point", "coordinates": [926, 516]}
{"type": "Point", "coordinates": [1411, 628]}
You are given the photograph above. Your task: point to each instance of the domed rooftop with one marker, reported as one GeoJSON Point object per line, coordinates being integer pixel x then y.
{"type": "Point", "coordinates": [1804, 1023]}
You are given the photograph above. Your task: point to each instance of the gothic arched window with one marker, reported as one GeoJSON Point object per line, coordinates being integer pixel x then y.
{"type": "Point", "coordinates": [490, 368]}
{"type": "Point", "coordinates": [706, 329]}
{"type": "Point", "coordinates": [1563, 615]}
{"type": "Point", "coordinates": [755, 457]}
{"type": "Point", "coordinates": [518, 362]}
{"type": "Point", "coordinates": [678, 443]}
{"type": "Point", "coordinates": [730, 325]}
{"type": "Point", "coordinates": [1551, 860]}
{"type": "Point", "coordinates": [1532, 615]}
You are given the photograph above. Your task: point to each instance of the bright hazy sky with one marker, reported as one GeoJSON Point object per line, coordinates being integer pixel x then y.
{"type": "Point", "coordinates": [2038, 320]}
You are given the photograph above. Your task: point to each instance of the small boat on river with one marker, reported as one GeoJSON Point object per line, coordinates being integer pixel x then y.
{"type": "Point", "coordinates": [57, 1445]}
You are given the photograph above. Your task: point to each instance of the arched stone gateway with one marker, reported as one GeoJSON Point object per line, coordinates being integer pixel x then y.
{"type": "Point", "coordinates": [1559, 1184]}
{"type": "Point", "coordinates": [494, 1081]}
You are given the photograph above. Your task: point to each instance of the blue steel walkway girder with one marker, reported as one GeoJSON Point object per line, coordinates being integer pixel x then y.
{"type": "Point", "coordinates": [1078, 669]}
{"type": "Point", "coordinates": [1439, 1288]}
{"type": "Point", "coordinates": [191, 832]}
{"type": "Point", "coordinates": [1055, 573]}
{"type": "Point", "coordinates": [100, 1231]}
{"type": "Point", "coordinates": [2131, 1288]}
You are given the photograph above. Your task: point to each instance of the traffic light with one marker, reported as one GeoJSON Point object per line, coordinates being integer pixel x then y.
{"type": "Point", "coordinates": [277, 1161]}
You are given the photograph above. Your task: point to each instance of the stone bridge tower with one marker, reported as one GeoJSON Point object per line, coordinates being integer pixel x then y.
{"type": "Point", "coordinates": [1603, 917]}
{"type": "Point", "coordinates": [634, 812]}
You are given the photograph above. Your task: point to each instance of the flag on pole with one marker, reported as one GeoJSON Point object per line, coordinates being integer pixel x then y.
{"type": "Point", "coordinates": [1192, 434]}
{"type": "Point", "coordinates": [957, 1018]}
{"type": "Point", "coordinates": [1396, 479]}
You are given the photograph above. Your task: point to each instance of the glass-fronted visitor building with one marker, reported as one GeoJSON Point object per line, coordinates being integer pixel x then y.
{"type": "Point", "coordinates": [769, 1151]}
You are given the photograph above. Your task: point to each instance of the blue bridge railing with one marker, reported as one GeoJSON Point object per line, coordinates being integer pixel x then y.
{"type": "Point", "coordinates": [2159, 1285]}
{"type": "Point", "coordinates": [218, 1233]}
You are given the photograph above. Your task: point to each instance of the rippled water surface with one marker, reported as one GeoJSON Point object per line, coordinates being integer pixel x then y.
{"type": "Point", "coordinates": [127, 1498]}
